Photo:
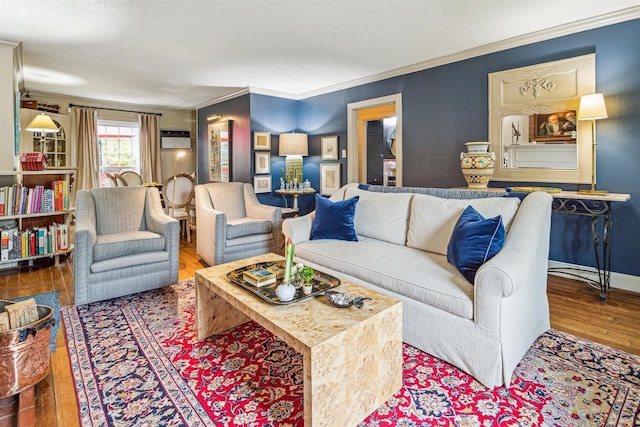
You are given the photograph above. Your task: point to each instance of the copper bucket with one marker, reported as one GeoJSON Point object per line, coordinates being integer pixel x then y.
{"type": "Point", "coordinates": [25, 352]}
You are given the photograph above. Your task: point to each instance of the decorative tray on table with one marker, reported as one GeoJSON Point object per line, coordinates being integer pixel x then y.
{"type": "Point", "coordinates": [321, 282]}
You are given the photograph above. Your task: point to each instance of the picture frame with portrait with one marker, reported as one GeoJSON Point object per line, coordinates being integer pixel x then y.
{"type": "Point", "coordinates": [262, 140]}
{"type": "Point", "coordinates": [262, 184]}
{"type": "Point", "coordinates": [330, 180]}
{"type": "Point", "coordinates": [555, 127]}
{"type": "Point", "coordinates": [263, 162]}
{"type": "Point", "coordinates": [329, 147]}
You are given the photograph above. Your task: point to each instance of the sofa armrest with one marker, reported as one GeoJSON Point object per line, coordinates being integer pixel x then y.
{"type": "Point", "coordinates": [255, 209]}
{"type": "Point", "coordinates": [298, 229]}
{"type": "Point", "coordinates": [519, 269]}
{"type": "Point", "coordinates": [84, 240]}
{"type": "Point", "coordinates": [211, 227]}
{"type": "Point", "coordinates": [161, 223]}
{"type": "Point", "coordinates": [157, 220]}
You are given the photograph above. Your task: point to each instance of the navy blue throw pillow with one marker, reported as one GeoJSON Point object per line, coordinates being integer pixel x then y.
{"type": "Point", "coordinates": [474, 241]}
{"type": "Point", "coordinates": [334, 220]}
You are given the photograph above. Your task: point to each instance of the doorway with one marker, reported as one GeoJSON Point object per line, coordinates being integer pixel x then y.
{"type": "Point", "coordinates": [374, 151]}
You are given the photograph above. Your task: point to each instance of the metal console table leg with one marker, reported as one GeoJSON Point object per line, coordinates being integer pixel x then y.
{"type": "Point", "coordinates": [595, 209]}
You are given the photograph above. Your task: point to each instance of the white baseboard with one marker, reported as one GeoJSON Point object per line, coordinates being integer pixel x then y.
{"type": "Point", "coordinates": [618, 280]}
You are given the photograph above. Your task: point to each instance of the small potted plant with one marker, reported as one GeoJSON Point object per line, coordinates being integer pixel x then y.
{"type": "Point", "coordinates": [306, 274]}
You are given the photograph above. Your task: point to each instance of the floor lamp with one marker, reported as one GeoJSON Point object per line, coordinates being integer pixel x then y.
{"type": "Point", "coordinates": [592, 108]}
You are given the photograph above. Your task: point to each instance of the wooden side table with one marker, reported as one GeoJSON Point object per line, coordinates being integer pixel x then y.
{"type": "Point", "coordinates": [288, 212]}
{"type": "Point", "coordinates": [295, 194]}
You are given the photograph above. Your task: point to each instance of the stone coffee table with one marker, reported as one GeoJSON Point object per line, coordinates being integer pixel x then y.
{"type": "Point", "coordinates": [352, 358]}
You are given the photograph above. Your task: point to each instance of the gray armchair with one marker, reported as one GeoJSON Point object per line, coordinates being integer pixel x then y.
{"type": "Point", "coordinates": [124, 243]}
{"type": "Point", "coordinates": [232, 224]}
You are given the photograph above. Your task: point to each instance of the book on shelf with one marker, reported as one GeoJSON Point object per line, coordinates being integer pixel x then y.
{"type": "Point", "coordinates": [259, 276]}
{"type": "Point", "coordinates": [63, 237]}
{"type": "Point", "coordinates": [37, 241]}
{"type": "Point", "coordinates": [4, 244]}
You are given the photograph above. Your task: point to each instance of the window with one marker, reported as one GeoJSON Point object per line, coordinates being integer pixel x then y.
{"type": "Point", "coordinates": [119, 148]}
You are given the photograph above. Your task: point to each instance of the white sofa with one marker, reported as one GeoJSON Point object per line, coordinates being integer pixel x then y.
{"type": "Point", "coordinates": [483, 328]}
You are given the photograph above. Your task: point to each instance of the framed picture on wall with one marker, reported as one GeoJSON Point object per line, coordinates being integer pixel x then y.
{"type": "Point", "coordinates": [329, 147]}
{"type": "Point", "coordinates": [263, 161]}
{"type": "Point", "coordinates": [329, 178]}
{"type": "Point", "coordinates": [262, 184]}
{"type": "Point", "coordinates": [220, 151]}
{"type": "Point", "coordinates": [559, 126]}
{"type": "Point", "coordinates": [262, 140]}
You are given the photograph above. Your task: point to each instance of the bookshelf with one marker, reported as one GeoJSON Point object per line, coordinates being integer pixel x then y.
{"type": "Point", "coordinates": [55, 145]}
{"type": "Point", "coordinates": [44, 210]}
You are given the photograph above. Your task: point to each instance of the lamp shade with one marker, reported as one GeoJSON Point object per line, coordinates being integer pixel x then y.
{"type": "Point", "coordinates": [592, 107]}
{"type": "Point", "coordinates": [42, 123]}
{"type": "Point", "coordinates": [293, 144]}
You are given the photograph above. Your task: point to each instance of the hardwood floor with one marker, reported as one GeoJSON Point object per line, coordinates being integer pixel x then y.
{"type": "Point", "coordinates": [575, 308]}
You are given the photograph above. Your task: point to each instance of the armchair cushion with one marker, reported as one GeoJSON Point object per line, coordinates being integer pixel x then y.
{"type": "Point", "coordinates": [123, 244]}
{"type": "Point", "coordinates": [229, 198]}
{"type": "Point", "coordinates": [119, 210]}
{"type": "Point", "coordinates": [247, 227]}
{"type": "Point", "coordinates": [137, 260]}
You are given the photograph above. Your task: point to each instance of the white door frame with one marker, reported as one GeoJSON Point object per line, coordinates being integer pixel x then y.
{"type": "Point", "coordinates": [352, 134]}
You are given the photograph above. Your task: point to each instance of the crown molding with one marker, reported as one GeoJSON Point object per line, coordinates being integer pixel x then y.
{"type": "Point", "coordinates": [223, 98]}
{"type": "Point", "coordinates": [9, 43]}
{"type": "Point", "coordinates": [522, 40]}
{"type": "Point", "coordinates": [275, 93]}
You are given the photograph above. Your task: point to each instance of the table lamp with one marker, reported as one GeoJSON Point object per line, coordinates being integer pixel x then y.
{"type": "Point", "coordinates": [293, 146]}
{"type": "Point", "coordinates": [43, 124]}
{"type": "Point", "coordinates": [592, 108]}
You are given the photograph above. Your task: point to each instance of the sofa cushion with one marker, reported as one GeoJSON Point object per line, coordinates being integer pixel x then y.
{"type": "Point", "coordinates": [247, 227]}
{"type": "Point", "coordinates": [474, 241]}
{"type": "Point", "coordinates": [433, 218]}
{"type": "Point", "coordinates": [334, 220]}
{"type": "Point", "coordinates": [419, 275]}
{"type": "Point", "coordinates": [381, 216]}
{"type": "Point", "coordinates": [116, 245]}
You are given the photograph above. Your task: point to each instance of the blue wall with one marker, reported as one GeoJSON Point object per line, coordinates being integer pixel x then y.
{"type": "Point", "coordinates": [238, 111]}
{"type": "Point", "coordinates": [275, 115]}
{"type": "Point", "coordinates": [445, 106]}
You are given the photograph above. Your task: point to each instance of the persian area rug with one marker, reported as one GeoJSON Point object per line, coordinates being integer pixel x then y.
{"type": "Point", "coordinates": [135, 362]}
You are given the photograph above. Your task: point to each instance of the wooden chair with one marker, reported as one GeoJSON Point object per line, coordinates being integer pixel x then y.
{"type": "Point", "coordinates": [191, 222]}
{"type": "Point", "coordinates": [112, 181]}
{"type": "Point", "coordinates": [177, 192]}
{"type": "Point", "coordinates": [121, 182]}
{"type": "Point", "coordinates": [132, 178]}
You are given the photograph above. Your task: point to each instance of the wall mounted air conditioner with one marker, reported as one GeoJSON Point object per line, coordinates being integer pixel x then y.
{"type": "Point", "coordinates": [175, 139]}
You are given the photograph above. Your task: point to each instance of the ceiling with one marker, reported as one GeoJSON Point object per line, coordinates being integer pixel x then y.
{"type": "Point", "coordinates": [184, 53]}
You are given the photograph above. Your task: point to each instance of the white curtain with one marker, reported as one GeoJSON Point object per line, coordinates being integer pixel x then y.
{"type": "Point", "coordinates": [86, 131]}
{"type": "Point", "coordinates": [150, 163]}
